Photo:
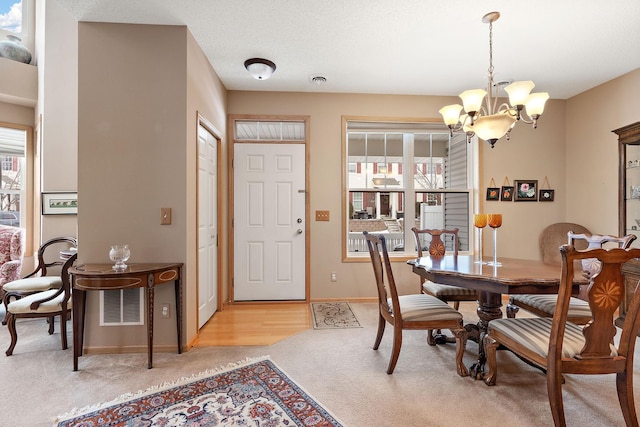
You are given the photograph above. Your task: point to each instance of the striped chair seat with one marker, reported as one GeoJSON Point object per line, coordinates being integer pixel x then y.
{"type": "Point", "coordinates": [533, 333]}
{"type": "Point", "coordinates": [418, 307]}
{"type": "Point", "coordinates": [22, 305]}
{"type": "Point", "coordinates": [547, 304]}
{"type": "Point", "coordinates": [440, 290]}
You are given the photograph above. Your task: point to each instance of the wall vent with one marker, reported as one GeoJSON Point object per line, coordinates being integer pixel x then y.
{"type": "Point", "coordinates": [122, 307]}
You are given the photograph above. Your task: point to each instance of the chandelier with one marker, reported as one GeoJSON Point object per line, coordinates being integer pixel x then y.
{"type": "Point", "coordinates": [488, 122]}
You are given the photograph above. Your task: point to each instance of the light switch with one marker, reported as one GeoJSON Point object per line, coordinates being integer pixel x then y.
{"type": "Point", "coordinates": [322, 215]}
{"type": "Point", "coordinates": [165, 216]}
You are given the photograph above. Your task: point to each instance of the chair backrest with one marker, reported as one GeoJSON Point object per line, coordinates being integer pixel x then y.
{"type": "Point", "coordinates": [439, 239]}
{"type": "Point", "coordinates": [11, 243]}
{"type": "Point", "coordinates": [49, 254]}
{"type": "Point", "coordinates": [591, 266]}
{"type": "Point", "coordinates": [65, 289]}
{"type": "Point", "coordinates": [381, 268]}
{"type": "Point", "coordinates": [554, 236]}
{"type": "Point", "coordinates": [606, 292]}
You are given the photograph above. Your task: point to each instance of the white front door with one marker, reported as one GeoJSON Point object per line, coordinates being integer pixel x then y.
{"type": "Point", "coordinates": [207, 225]}
{"type": "Point", "coordinates": [269, 222]}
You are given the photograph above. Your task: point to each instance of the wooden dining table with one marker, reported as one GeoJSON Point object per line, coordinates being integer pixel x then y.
{"type": "Point", "coordinates": [512, 276]}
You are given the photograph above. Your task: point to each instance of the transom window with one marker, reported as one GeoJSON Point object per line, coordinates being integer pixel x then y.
{"type": "Point", "coordinates": [382, 198]}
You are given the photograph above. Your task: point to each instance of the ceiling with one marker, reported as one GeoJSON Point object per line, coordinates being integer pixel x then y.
{"type": "Point", "coordinates": [419, 47]}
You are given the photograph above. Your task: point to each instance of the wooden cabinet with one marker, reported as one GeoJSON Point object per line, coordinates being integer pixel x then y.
{"type": "Point", "coordinates": [629, 203]}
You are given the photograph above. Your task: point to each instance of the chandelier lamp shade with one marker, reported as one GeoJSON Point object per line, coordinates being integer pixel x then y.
{"type": "Point", "coordinates": [259, 68]}
{"type": "Point", "coordinates": [486, 121]}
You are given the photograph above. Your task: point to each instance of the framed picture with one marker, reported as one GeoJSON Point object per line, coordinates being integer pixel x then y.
{"type": "Point", "coordinates": [526, 190]}
{"type": "Point", "coordinates": [546, 195]}
{"type": "Point", "coordinates": [59, 203]}
{"type": "Point", "coordinates": [493, 193]}
{"type": "Point", "coordinates": [507, 194]}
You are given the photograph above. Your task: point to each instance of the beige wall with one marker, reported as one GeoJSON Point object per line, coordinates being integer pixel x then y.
{"type": "Point", "coordinates": [529, 155]}
{"type": "Point", "coordinates": [139, 90]}
{"type": "Point", "coordinates": [592, 150]}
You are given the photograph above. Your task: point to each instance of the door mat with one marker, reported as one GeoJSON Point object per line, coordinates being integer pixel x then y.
{"type": "Point", "coordinates": [333, 315]}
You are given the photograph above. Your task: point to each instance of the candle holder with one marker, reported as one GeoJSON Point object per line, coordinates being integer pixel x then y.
{"type": "Point", "coordinates": [495, 221]}
{"type": "Point", "coordinates": [480, 221]}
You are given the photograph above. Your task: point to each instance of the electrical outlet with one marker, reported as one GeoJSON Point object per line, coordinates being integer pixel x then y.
{"type": "Point", "coordinates": [334, 276]}
{"type": "Point", "coordinates": [322, 215]}
{"type": "Point", "coordinates": [164, 311]}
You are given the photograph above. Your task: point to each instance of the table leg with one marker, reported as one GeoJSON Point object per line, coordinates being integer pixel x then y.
{"type": "Point", "coordinates": [489, 305]}
{"type": "Point", "coordinates": [150, 304]}
{"type": "Point", "coordinates": [79, 302]}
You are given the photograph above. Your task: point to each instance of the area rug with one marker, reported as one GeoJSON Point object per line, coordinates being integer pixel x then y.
{"type": "Point", "coordinates": [333, 315]}
{"type": "Point", "coordinates": [254, 392]}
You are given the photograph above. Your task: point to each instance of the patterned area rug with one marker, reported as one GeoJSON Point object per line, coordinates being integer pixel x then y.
{"type": "Point", "coordinates": [250, 393]}
{"type": "Point", "coordinates": [333, 315]}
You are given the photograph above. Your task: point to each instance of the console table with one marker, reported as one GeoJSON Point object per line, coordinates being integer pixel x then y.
{"type": "Point", "coordinates": [101, 277]}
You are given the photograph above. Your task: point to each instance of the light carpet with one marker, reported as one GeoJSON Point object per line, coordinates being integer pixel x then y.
{"type": "Point", "coordinates": [333, 315]}
{"type": "Point", "coordinates": [253, 392]}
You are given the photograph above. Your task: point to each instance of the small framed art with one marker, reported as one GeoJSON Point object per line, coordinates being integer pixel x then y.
{"type": "Point", "coordinates": [546, 195]}
{"type": "Point", "coordinates": [506, 195]}
{"type": "Point", "coordinates": [525, 190]}
{"type": "Point", "coordinates": [59, 203]}
{"type": "Point", "coordinates": [493, 193]}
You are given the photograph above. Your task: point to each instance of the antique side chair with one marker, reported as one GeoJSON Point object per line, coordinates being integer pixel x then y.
{"type": "Point", "coordinates": [46, 274]}
{"type": "Point", "coordinates": [415, 311]}
{"type": "Point", "coordinates": [437, 247]}
{"type": "Point", "coordinates": [562, 347]}
{"type": "Point", "coordinates": [44, 304]}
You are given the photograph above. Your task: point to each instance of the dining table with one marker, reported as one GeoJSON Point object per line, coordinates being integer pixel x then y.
{"type": "Point", "coordinates": [505, 276]}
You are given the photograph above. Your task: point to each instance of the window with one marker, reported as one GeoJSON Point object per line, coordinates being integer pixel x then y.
{"type": "Point", "coordinates": [11, 16]}
{"type": "Point", "coordinates": [13, 149]}
{"type": "Point", "coordinates": [381, 198]}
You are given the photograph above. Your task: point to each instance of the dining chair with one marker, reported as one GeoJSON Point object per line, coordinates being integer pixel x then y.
{"type": "Point", "coordinates": [44, 304]}
{"type": "Point", "coordinates": [435, 242]}
{"type": "Point", "coordinates": [414, 311]}
{"type": "Point", "coordinates": [562, 347]}
{"type": "Point", "coordinates": [45, 276]}
{"type": "Point", "coordinates": [579, 310]}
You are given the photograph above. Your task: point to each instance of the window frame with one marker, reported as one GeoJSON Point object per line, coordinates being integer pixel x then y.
{"type": "Point", "coordinates": [408, 191]}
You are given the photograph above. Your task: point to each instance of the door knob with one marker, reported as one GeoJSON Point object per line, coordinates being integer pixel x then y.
{"type": "Point", "coordinates": [299, 231]}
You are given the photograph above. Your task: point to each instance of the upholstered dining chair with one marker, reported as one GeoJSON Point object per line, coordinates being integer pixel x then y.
{"type": "Point", "coordinates": [46, 304]}
{"type": "Point", "coordinates": [12, 241]}
{"type": "Point", "coordinates": [561, 346]}
{"type": "Point", "coordinates": [437, 241]}
{"type": "Point", "coordinates": [45, 276]}
{"type": "Point", "coordinates": [579, 310]}
{"type": "Point", "coordinates": [415, 311]}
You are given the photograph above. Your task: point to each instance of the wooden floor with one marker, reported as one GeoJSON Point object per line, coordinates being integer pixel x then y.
{"type": "Point", "coordinates": [255, 324]}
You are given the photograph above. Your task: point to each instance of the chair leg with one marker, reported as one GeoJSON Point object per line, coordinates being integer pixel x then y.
{"type": "Point", "coordinates": [461, 344]}
{"type": "Point", "coordinates": [490, 348]}
{"type": "Point", "coordinates": [512, 310]}
{"type": "Point", "coordinates": [431, 338]}
{"type": "Point", "coordinates": [624, 385]}
{"type": "Point", "coordinates": [456, 305]}
{"type": "Point", "coordinates": [11, 325]}
{"type": "Point", "coordinates": [395, 352]}
{"type": "Point", "coordinates": [51, 321]}
{"type": "Point", "coordinates": [381, 324]}
{"type": "Point", "coordinates": [554, 390]}
{"type": "Point", "coordinates": [63, 330]}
